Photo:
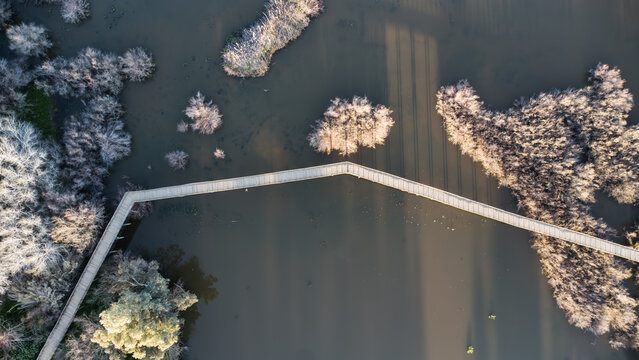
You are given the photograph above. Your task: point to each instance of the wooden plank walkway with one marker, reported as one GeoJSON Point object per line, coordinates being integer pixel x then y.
{"type": "Point", "coordinates": [343, 168]}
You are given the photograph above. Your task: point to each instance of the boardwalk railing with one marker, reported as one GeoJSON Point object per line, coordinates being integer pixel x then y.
{"type": "Point", "coordinates": [343, 168]}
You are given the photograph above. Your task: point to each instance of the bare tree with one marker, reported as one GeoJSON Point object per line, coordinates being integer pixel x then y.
{"type": "Point", "coordinates": [282, 22]}
{"type": "Point", "coordinates": [348, 125]}
{"type": "Point", "coordinates": [136, 64]}
{"type": "Point", "coordinates": [13, 77]}
{"type": "Point", "coordinates": [28, 39]}
{"type": "Point", "coordinates": [177, 159]}
{"type": "Point", "coordinates": [74, 11]}
{"type": "Point", "coordinates": [182, 126]}
{"type": "Point", "coordinates": [206, 116]}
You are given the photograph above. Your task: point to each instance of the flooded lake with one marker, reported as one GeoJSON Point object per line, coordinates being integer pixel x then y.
{"type": "Point", "coordinates": [341, 268]}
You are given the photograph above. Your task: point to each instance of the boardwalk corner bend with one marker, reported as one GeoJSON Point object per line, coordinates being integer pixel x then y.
{"type": "Point", "coordinates": [281, 177]}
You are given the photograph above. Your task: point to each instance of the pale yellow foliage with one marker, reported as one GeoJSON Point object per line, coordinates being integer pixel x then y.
{"type": "Point", "coordinates": [143, 322]}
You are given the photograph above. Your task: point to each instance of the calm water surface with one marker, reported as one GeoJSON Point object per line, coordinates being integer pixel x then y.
{"type": "Point", "coordinates": [339, 268]}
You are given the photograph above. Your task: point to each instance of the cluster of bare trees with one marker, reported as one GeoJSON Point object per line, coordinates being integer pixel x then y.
{"type": "Point", "coordinates": [348, 125]}
{"type": "Point", "coordinates": [206, 119]}
{"type": "Point", "coordinates": [27, 168]}
{"type": "Point", "coordinates": [177, 159]}
{"type": "Point", "coordinates": [46, 228]}
{"type": "Point", "coordinates": [93, 140]}
{"type": "Point", "coordinates": [93, 73]}
{"type": "Point", "coordinates": [554, 151]}
{"type": "Point", "coordinates": [90, 73]}
{"type": "Point", "coordinates": [282, 22]}
{"type": "Point", "coordinates": [45, 231]}
{"type": "Point", "coordinates": [51, 201]}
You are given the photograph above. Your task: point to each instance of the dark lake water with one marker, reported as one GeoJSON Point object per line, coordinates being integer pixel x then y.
{"type": "Point", "coordinates": [340, 268]}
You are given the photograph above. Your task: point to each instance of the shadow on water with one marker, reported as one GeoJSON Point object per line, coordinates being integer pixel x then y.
{"type": "Point", "coordinates": [622, 217]}
{"type": "Point", "coordinates": [174, 266]}
{"type": "Point", "coordinates": [188, 272]}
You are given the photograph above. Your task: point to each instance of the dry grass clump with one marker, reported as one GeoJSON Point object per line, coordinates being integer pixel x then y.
{"type": "Point", "coordinates": [554, 151]}
{"type": "Point", "coordinates": [348, 125]}
{"type": "Point", "coordinates": [282, 22]}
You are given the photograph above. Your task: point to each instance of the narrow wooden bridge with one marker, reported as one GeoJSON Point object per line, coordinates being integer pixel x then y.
{"type": "Point", "coordinates": [343, 168]}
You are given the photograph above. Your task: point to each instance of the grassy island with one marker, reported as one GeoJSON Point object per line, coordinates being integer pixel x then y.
{"type": "Point", "coordinates": [249, 55]}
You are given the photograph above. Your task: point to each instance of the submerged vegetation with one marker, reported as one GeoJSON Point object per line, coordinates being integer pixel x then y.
{"type": "Point", "coordinates": [554, 151]}
{"type": "Point", "coordinates": [283, 21]}
{"type": "Point", "coordinates": [348, 125]}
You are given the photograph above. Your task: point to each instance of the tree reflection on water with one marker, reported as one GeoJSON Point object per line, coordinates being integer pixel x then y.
{"type": "Point", "coordinates": [188, 271]}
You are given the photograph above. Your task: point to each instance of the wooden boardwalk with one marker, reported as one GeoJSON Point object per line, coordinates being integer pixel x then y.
{"type": "Point", "coordinates": [343, 168]}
